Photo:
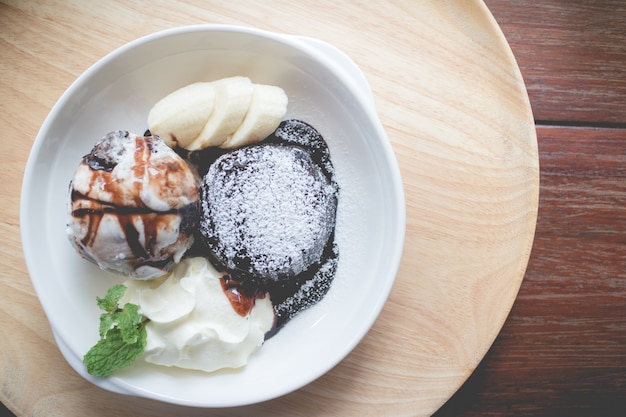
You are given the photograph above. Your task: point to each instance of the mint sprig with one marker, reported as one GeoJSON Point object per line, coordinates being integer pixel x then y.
{"type": "Point", "coordinates": [122, 335]}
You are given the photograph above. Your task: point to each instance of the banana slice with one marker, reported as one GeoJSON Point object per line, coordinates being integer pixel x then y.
{"type": "Point", "coordinates": [226, 113]}
{"type": "Point", "coordinates": [267, 108]}
{"type": "Point", "coordinates": [180, 117]}
{"type": "Point", "coordinates": [232, 100]}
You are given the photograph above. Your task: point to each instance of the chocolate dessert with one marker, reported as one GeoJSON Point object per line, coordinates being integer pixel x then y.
{"type": "Point", "coordinates": [224, 232]}
{"type": "Point", "coordinates": [268, 216]}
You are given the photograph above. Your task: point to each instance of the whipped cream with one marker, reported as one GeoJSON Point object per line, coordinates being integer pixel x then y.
{"type": "Point", "coordinates": [194, 323]}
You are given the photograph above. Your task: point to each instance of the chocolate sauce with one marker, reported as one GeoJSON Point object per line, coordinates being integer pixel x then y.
{"type": "Point", "coordinates": [298, 133]}
{"type": "Point", "coordinates": [127, 217]}
{"type": "Point", "coordinates": [103, 156]}
{"type": "Point", "coordinates": [290, 297]}
{"type": "Point", "coordinates": [240, 299]}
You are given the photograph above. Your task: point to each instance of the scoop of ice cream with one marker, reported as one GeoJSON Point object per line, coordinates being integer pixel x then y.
{"type": "Point", "coordinates": [133, 205]}
{"type": "Point", "coordinates": [199, 319]}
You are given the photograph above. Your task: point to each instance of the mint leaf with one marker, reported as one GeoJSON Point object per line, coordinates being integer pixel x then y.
{"type": "Point", "coordinates": [106, 322]}
{"type": "Point", "coordinates": [122, 335]}
{"type": "Point", "coordinates": [128, 321]}
{"type": "Point", "coordinates": [111, 300]}
{"type": "Point", "coordinates": [112, 352]}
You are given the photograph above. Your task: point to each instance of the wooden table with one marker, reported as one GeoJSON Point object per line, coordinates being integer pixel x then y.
{"type": "Point", "coordinates": [562, 350]}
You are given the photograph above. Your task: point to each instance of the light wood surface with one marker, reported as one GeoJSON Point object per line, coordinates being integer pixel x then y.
{"type": "Point", "coordinates": [453, 102]}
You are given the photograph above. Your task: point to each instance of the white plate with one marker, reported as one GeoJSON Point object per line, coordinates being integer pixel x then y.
{"type": "Point", "coordinates": [326, 89]}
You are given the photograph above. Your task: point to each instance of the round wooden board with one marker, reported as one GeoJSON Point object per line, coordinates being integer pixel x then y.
{"type": "Point", "coordinates": [451, 97]}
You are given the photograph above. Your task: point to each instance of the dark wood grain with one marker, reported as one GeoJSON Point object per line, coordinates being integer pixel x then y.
{"type": "Point", "coordinates": [563, 349]}
{"type": "Point", "coordinates": [572, 55]}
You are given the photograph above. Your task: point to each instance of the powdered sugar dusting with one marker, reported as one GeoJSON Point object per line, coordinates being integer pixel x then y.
{"type": "Point", "coordinates": [268, 210]}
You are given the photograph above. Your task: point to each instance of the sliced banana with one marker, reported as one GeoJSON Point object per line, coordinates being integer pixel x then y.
{"type": "Point", "coordinates": [180, 117]}
{"type": "Point", "coordinates": [227, 113]}
{"type": "Point", "coordinates": [267, 108]}
{"type": "Point", "coordinates": [232, 100]}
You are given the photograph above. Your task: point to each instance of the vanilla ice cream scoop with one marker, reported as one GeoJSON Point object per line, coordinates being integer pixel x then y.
{"type": "Point", "coordinates": [133, 206]}
{"type": "Point", "coordinates": [199, 319]}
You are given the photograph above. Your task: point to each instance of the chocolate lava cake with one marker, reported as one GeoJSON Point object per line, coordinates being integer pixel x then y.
{"type": "Point", "coordinates": [268, 216]}
{"type": "Point", "coordinates": [268, 211]}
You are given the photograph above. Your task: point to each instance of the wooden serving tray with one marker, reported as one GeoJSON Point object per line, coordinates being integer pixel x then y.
{"type": "Point", "coordinates": [453, 102]}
